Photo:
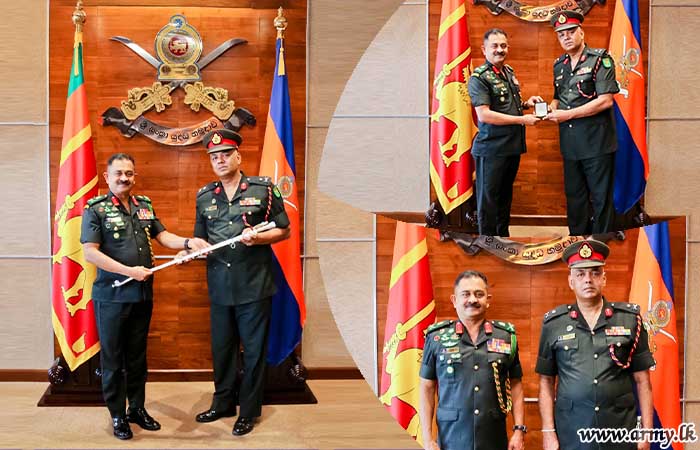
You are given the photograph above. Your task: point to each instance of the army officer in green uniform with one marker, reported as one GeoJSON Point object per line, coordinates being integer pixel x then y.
{"type": "Point", "coordinates": [584, 85]}
{"type": "Point", "coordinates": [495, 94]}
{"type": "Point", "coordinates": [240, 279]}
{"type": "Point", "coordinates": [474, 366]}
{"type": "Point", "coordinates": [599, 351]}
{"type": "Point", "coordinates": [116, 235]}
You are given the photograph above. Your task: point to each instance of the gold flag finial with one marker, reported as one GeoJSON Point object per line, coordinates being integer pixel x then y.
{"type": "Point", "coordinates": [79, 16]}
{"type": "Point", "coordinates": [280, 23]}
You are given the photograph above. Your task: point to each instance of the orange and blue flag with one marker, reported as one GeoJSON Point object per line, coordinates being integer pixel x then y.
{"type": "Point", "coordinates": [410, 311]}
{"type": "Point", "coordinates": [631, 160]}
{"type": "Point", "coordinates": [452, 118]}
{"type": "Point", "coordinates": [652, 289]}
{"type": "Point", "coordinates": [288, 309]}
{"type": "Point", "coordinates": [72, 311]}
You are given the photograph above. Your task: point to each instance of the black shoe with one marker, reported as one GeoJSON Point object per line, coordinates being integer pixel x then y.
{"type": "Point", "coordinates": [244, 425]}
{"type": "Point", "coordinates": [140, 417]}
{"type": "Point", "coordinates": [121, 428]}
{"type": "Point", "coordinates": [212, 414]}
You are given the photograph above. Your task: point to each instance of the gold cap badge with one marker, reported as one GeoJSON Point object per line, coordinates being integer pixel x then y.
{"type": "Point", "coordinates": [216, 139]}
{"type": "Point", "coordinates": [585, 251]}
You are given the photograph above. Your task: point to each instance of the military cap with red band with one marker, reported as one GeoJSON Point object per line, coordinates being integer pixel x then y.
{"type": "Point", "coordinates": [221, 140]}
{"type": "Point", "coordinates": [588, 253]}
{"type": "Point", "coordinates": [565, 20]}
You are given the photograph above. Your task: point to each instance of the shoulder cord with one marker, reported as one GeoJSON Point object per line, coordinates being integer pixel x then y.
{"type": "Point", "coordinates": [595, 72]}
{"type": "Point", "coordinates": [150, 245]}
{"type": "Point", "coordinates": [267, 212]}
{"type": "Point", "coordinates": [611, 348]}
{"type": "Point", "coordinates": [505, 408]}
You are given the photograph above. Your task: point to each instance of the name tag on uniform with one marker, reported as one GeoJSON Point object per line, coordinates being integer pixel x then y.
{"type": "Point", "coordinates": [559, 77]}
{"type": "Point", "coordinates": [618, 331]}
{"type": "Point", "coordinates": [450, 350]}
{"type": "Point", "coordinates": [566, 337]}
{"type": "Point", "coordinates": [498, 346]}
{"type": "Point", "coordinates": [250, 201]}
{"type": "Point", "coordinates": [145, 214]}
{"type": "Point", "coordinates": [584, 70]}
{"type": "Point", "coordinates": [211, 208]}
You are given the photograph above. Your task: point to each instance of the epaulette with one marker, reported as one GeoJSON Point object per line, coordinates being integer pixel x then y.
{"type": "Point", "coordinates": [439, 325]}
{"type": "Point", "coordinates": [99, 198]}
{"type": "Point", "coordinates": [509, 327]}
{"type": "Point", "coordinates": [556, 312]}
{"type": "Point", "coordinates": [509, 68]}
{"type": "Point", "coordinates": [207, 188]}
{"type": "Point", "coordinates": [560, 59]}
{"type": "Point", "coordinates": [479, 70]}
{"type": "Point", "coordinates": [631, 308]}
{"type": "Point", "coordinates": [143, 198]}
{"type": "Point", "coordinates": [597, 51]}
{"type": "Point", "coordinates": [263, 181]}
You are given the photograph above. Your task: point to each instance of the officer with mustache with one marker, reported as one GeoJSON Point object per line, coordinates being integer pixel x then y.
{"type": "Point", "coordinates": [474, 367]}
{"type": "Point", "coordinates": [116, 234]}
{"type": "Point", "coordinates": [495, 95]}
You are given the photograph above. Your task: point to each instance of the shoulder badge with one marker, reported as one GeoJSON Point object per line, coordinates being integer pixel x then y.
{"type": "Point", "coordinates": [556, 312]}
{"type": "Point", "coordinates": [607, 62]}
{"type": "Point", "coordinates": [509, 327]}
{"type": "Point", "coordinates": [631, 308]}
{"type": "Point", "coordinates": [481, 69]}
{"type": "Point", "coordinates": [207, 188]}
{"type": "Point", "coordinates": [144, 198]}
{"type": "Point", "coordinates": [97, 199]}
{"type": "Point", "coordinates": [262, 181]}
{"type": "Point", "coordinates": [439, 325]}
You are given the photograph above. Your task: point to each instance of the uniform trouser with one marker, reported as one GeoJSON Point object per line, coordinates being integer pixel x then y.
{"type": "Point", "coordinates": [588, 184]}
{"type": "Point", "coordinates": [495, 176]}
{"type": "Point", "coordinates": [230, 326]}
{"type": "Point", "coordinates": [123, 330]}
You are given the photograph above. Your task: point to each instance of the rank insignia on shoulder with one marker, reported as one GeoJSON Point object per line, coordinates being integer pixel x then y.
{"type": "Point", "coordinates": [498, 346]}
{"type": "Point", "coordinates": [437, 326]}
{"type": "Point", "coordinates": [607, 62]}
{"type": "Point", "coordinates": [618, 331]}
{"type": "Point", "coordinates": [505, 326]}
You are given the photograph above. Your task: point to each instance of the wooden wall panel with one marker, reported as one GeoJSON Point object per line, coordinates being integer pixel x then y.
{"type": "Point", "coordinates": [539, 186]}
{"type": "Point", "coordinates": [171, 176]}
{"type": "Point", "coordinates": [522, 294]}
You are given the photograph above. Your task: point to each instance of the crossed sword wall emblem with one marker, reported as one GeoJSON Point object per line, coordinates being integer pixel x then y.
{"type": "Point", "coordinates": [198, 95]}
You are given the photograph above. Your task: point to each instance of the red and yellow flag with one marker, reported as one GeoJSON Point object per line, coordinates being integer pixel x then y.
{"type": "Point", "coordinates": [452, 122]}
{"type": "Point", "coordinates": [410, 311]}
{"type": "Point", "coordinates": [652, 289]}
{"type": "Point", "coordinates": [72, 277]}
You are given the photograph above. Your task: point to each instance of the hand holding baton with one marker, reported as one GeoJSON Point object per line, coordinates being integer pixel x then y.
{"type": "Point", "coordinates": [259, 228]}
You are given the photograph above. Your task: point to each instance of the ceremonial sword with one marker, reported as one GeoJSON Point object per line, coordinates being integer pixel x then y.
{"type": "Point", "coordinates": [259, 228]}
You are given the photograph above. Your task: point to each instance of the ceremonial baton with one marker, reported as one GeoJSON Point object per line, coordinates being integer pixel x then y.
{"type": "Point", "coordinates": [259, 228]}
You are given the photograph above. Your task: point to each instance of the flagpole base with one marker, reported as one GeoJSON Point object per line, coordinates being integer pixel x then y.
{"type": "Point", "coordinates": [82, 387]}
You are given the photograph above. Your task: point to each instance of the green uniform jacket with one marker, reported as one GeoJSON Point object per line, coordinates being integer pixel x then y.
{"type": "Point", "coordinates": [594, 75]}
{"type": "Point", "coordinates": [468, 412]}
{"type": "Point", "coordinates": [124, 237]}
{"type": "Point", "coordinates": [242, 274]}
{"type": "Point", "coordinates": [592, 390]}
{"type": "Point", "coordinates": [500, 90]}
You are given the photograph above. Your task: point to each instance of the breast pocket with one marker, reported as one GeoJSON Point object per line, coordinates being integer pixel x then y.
{"type": "Point", "coordinates": [620, 345]}
{"type": "Point", "coordinates": [566, 350]}
{"type": "Point", "coordinates": [451, 367]}
{"type": "Point", "coordinates": [585, 85]}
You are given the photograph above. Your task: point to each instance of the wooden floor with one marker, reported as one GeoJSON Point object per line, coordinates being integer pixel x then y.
{"type": "Point", "coordinates": [347, 415]}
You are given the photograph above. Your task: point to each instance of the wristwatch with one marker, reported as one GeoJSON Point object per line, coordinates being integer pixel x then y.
{"type": "Point", "coordinates": [522, 428]}
{"type": "Point", "coordinates": [187, 244]}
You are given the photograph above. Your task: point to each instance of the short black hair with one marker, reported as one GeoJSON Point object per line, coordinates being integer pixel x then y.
{"type": "Point", "coordinates": [494, 31]}
{"type": "Point", "coordinates": [470, 274]}
{"type": "Point", "coordinates": [117, 156]}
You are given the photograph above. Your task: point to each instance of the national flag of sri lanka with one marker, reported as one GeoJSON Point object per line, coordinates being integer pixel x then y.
{"type": "Point", "coordinates": [652, 289]}
{"type": "Point", "coordinates": [631, 160]}
{"type": "Point", "coordinates": [288, 309]}
{"type": "Point", "coordinates": [452, 120]}
{"type": "Point", "coordinates": [411, 309]}
{"type": "Point", "coordinates": [72, 277]}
